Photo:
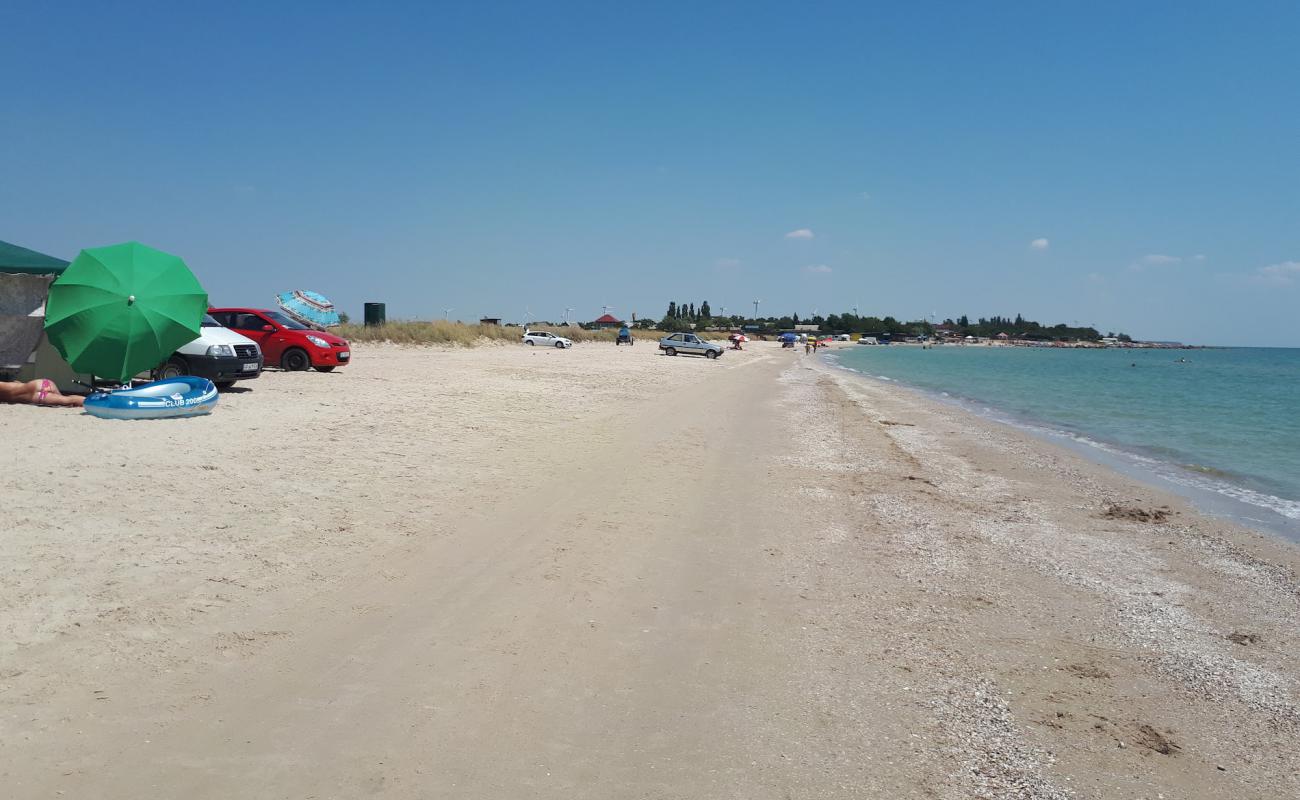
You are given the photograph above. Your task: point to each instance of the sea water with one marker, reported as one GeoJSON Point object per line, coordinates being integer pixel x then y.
{"type": "Point", "coordinates": [1221, 426]}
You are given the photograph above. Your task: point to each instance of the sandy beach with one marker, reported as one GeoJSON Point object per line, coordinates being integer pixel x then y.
{"type": "Point", "coordinates": [602, 573]}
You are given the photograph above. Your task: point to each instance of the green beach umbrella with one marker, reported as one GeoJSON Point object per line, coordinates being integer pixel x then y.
{"type": "Point", "coordinates": [120, 310]}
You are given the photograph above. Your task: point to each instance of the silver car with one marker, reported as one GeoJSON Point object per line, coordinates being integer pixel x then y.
{"type": "Point", "coordinates": [689, 343]}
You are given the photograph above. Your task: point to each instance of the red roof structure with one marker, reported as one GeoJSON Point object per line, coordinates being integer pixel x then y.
{"type": "Point", "coordinates": [606, 322]}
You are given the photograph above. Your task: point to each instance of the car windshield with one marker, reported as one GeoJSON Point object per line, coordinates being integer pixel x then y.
{"type": "Point", "coordinates": [285, 322]}
{"type": "Point", "coordinates": [209, 322]}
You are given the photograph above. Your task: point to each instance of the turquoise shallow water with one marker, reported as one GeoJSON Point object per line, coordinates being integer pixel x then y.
{"type": "Point", "coordinates": [1225, 424]}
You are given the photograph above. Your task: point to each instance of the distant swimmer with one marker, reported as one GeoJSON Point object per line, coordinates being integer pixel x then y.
{"type": "Point", "coordinates": [1134, 364]}
{"type": "Point", "coordinates": [1181, 361]}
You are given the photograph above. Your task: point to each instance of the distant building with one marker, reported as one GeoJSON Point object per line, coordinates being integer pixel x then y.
{"type": "Point", "coordinates": [489, 321]}
{"type": "Point", "coordinates": [606, 321]}
{"type": "Point", "coordinates": [808, 328]}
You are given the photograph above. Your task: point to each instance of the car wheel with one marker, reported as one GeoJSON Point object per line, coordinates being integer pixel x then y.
{"type": "Point", "coordinates": [670, 351]}
{"type": "Point", "coordinates": [295, 360]}
{"type": "Point", "coordinates": [325, 369]}
{"type": "Point", "coordinates": [560, 345]}
{"type": "Point", "coordinates": [710, 353]}
{"type": "Point", "coordinates": [529, 342]}
{"type": "Point", "coordinates": [174, 367]}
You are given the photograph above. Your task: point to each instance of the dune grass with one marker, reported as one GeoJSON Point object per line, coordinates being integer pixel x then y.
{"type": "Point", "coordinates": [444, 332]}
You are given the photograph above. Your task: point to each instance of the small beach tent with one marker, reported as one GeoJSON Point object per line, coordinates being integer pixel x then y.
{"type": "Point", "coordinates": [25, 353]}
{"type": "Point", "coordinates": [607, 321]}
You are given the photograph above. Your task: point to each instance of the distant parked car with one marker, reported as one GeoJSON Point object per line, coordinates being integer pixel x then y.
{"type": "Point", "coordinates": [284, 341]}
{"type": "Point", "coordinates": [689, 343]}
{"type": "Point", "coordinates": [219, 354]}
{"type": "Point", "coordinates": [546, 339]}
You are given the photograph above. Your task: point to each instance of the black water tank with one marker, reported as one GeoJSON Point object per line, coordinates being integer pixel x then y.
{"type": "Point", "coordinates": [375, 314]}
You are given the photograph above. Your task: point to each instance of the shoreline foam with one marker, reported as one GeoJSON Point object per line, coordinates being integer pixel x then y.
{"type": "Point", "coordinates": [1212, 491]}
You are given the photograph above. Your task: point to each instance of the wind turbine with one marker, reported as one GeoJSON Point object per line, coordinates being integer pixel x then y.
{"type": "Point", "coordinates": [528, 314]}
{"type": "Point", "coordinates": [566, 315]}
{"type": "Point", "coordinates": [446, 313]}
{"type": "Point", "coordinates": [605, 309]}
{"type": "Point", "coordinates": [756, 302]}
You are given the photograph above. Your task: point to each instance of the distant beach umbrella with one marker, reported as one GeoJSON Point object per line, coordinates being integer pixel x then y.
{"type": "Point", "coordinates": [119, 310]}
{"type": "Point", "coordinates": [309, 308]}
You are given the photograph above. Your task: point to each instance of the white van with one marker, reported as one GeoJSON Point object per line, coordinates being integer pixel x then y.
{"type": "Point", "coordinates": [219, 354]}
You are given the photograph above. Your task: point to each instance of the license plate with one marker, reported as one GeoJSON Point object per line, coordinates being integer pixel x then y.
{"type": "Point", "coordinates": [343, 356]}
{"type": "Point", "coordinates": [250, 367]}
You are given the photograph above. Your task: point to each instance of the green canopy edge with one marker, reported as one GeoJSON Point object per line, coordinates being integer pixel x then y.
{"type": "Point", "coordinates": [19, 259]}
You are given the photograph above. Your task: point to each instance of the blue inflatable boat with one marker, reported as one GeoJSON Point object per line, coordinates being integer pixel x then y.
{"type": "Point", "coordinates": [186, 396]}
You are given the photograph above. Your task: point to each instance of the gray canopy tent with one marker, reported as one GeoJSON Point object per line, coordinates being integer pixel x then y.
{"type": "Point", "coordinates": [25, 278]}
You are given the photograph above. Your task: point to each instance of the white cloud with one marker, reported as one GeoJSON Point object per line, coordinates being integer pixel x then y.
{"type": "Point", "coordinates": [1283, 274]}
{"type": "Point", "coordinates": [802, 233]}
{"type": "Point", "coordinates": [866, 195]}
{"type": "Point", "coordinates": [727, 263]}
{"type": "Point", "coordinates": [817, 269]}
{"type": "Point", "coordinates": [1039, 244]}
{"type": "Point", "coordinates": [1155, 260]}
{"type": "Point", "coordinates": [1198, 257]}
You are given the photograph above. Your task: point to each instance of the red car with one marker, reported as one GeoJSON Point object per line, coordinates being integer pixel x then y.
{"type": "Point", "coordinates": [284, 341]}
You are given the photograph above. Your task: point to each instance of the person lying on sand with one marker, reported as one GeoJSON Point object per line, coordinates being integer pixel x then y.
{"type": "Point", "coordinates": [41, 392]}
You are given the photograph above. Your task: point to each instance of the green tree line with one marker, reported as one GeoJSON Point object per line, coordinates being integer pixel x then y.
{"type": "Point", "coordinates": [1020, 328]}
{"type": "Point", "coordinates": [687, 316]}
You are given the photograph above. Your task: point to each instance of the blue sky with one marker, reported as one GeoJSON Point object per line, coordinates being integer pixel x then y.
{"type": "Point", "coordinates": [1133, 165]}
